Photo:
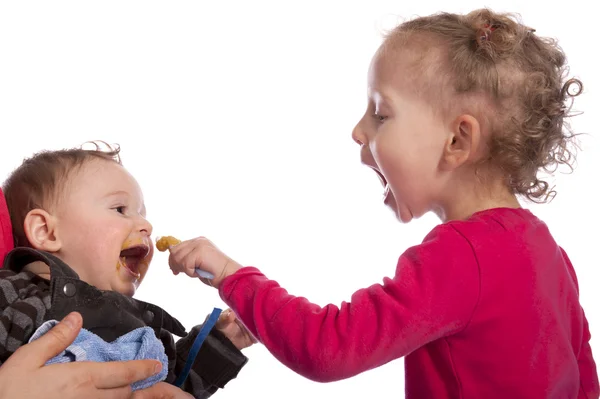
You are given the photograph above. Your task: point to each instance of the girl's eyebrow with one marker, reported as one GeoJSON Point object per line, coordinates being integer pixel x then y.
{"type": "Point", "coordinates": [116, 192]}
{"type": "Point", "coordinates": [375, 93]}
{"type": "Point", "coordinates": [384, 98]}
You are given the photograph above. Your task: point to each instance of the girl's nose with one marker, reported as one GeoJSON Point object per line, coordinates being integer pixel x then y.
{"type": "Point", "coordinates": [358, 135]}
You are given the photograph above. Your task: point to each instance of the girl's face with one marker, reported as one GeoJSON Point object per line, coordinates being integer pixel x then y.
{"type": "Point", "coordinates": [402, 139]}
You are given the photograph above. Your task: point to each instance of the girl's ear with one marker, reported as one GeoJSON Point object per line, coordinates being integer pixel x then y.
{"type": "Point", "coordinates": [461, 143]}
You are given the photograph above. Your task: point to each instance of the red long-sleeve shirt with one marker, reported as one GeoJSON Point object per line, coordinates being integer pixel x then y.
{"type": "Point", "coordinates": [483, 308]}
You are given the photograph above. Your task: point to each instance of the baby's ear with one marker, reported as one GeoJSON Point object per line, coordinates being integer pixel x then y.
{"type": "Point", "coordinates": [462, 142]}
{"type": "Point", "coordinates": [41, 230]}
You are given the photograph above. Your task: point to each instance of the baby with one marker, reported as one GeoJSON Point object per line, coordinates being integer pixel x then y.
{"type": "Point", "coordinates": [82, 243]}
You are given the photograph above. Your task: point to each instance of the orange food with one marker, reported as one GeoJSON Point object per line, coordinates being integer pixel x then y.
{"type": "Point", "coordinates": [164, 243]}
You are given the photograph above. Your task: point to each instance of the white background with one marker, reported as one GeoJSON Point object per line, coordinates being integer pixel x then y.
{"type": "Point", "coordinates": [235, 117]}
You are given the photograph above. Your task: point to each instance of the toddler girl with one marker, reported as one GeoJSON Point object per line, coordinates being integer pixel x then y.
{"type": "Point", "coordinates": [463, 112]}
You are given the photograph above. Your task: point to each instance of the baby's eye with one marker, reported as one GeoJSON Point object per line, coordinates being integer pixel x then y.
{"type": "Point", "coordinates": [120, 209]}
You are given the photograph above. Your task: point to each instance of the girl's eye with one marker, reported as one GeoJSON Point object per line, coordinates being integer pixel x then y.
{"type": "Point", "coordinates": [379, 118]}
{"type": "Point", "coordinates": [120, 209]}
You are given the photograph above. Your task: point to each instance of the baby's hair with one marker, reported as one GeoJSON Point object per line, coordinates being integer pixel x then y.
{"type": "Point", "coordinates": [40, 180]}
{"type": "Point", "coordinates": [514, 79]}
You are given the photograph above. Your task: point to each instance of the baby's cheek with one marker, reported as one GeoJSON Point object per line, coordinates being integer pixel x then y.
{"type": "Point", "coordinates": [144, 266]}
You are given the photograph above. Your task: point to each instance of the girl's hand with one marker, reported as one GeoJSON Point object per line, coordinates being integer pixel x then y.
{"type": "Point", "coordinates": [203, 254]}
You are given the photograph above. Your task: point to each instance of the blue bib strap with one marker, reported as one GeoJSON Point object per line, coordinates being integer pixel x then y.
{"type": "Point", "coordinates": [202, 334]}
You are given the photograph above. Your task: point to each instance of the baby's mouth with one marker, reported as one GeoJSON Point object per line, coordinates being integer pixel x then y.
{"type": "Point", "coordinates": [132, 258]}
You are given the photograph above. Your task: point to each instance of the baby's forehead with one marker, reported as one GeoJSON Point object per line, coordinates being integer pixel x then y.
{"type": "Point", "coordinates": [102, 177]}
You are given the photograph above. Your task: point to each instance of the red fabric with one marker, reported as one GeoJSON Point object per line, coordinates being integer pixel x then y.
{"type": "Point", "coordinates": [483, 308]}
{"type": "Point", "coordinates": [6, 237]}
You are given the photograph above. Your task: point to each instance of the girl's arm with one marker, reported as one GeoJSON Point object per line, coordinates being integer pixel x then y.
{"type": "Point", "coordinates": [432, 294]}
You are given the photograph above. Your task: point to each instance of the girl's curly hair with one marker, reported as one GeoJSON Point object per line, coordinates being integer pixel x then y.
{"type": "Point", "coordinates": [493, 58]}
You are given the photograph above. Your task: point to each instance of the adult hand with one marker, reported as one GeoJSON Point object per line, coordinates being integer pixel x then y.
{"type": "Point", "coordinates": [234, 330]}
{"type": "Point", "coordinates": [162, 390]}
{"type": "Point", "coordinates": [24, 375]}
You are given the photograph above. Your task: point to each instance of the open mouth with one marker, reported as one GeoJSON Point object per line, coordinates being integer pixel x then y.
{"type": "Point", "coordinates": [131, 259]}
{"type": "Point", "coordinates": [384, 183]}
{"type": "Point", "coordinates": [380, 175]}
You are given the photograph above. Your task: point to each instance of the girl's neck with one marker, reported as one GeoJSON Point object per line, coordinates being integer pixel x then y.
{"type": "Point", "coordinates": [464, 201]}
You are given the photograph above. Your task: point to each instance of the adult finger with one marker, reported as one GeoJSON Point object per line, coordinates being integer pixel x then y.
{"type": "Point", "coordinates": [161, 390]}
{"type": "Point", "coordinates": [246, 332]}
{"type": "Point", "coordinates": [119, 374]}
{"type": "Point", "coordinates": [115, 393]}
{"type": "Point", "coordinates": [225, 318]}
{"type": "Point", "coordinates": [50, 344]}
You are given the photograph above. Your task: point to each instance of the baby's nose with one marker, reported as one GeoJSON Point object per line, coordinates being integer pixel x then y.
{"type": "Point", "coordinates": [145, 226]}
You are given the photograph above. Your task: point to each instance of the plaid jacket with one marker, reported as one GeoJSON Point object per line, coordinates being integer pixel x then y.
{"type": "Point", "coordinates": [27, 301]}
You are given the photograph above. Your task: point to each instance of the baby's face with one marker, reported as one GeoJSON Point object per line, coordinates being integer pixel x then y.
{"type": "Point", "coordinates": [102, 228]}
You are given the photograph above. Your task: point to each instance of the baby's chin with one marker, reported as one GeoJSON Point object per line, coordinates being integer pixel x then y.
{"type": "Point", "coordinates": [127, 284]}
{"type": "Point", "coordinates": [127, 291]}
{"type": "Point", "coordinates": [127, 287]}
